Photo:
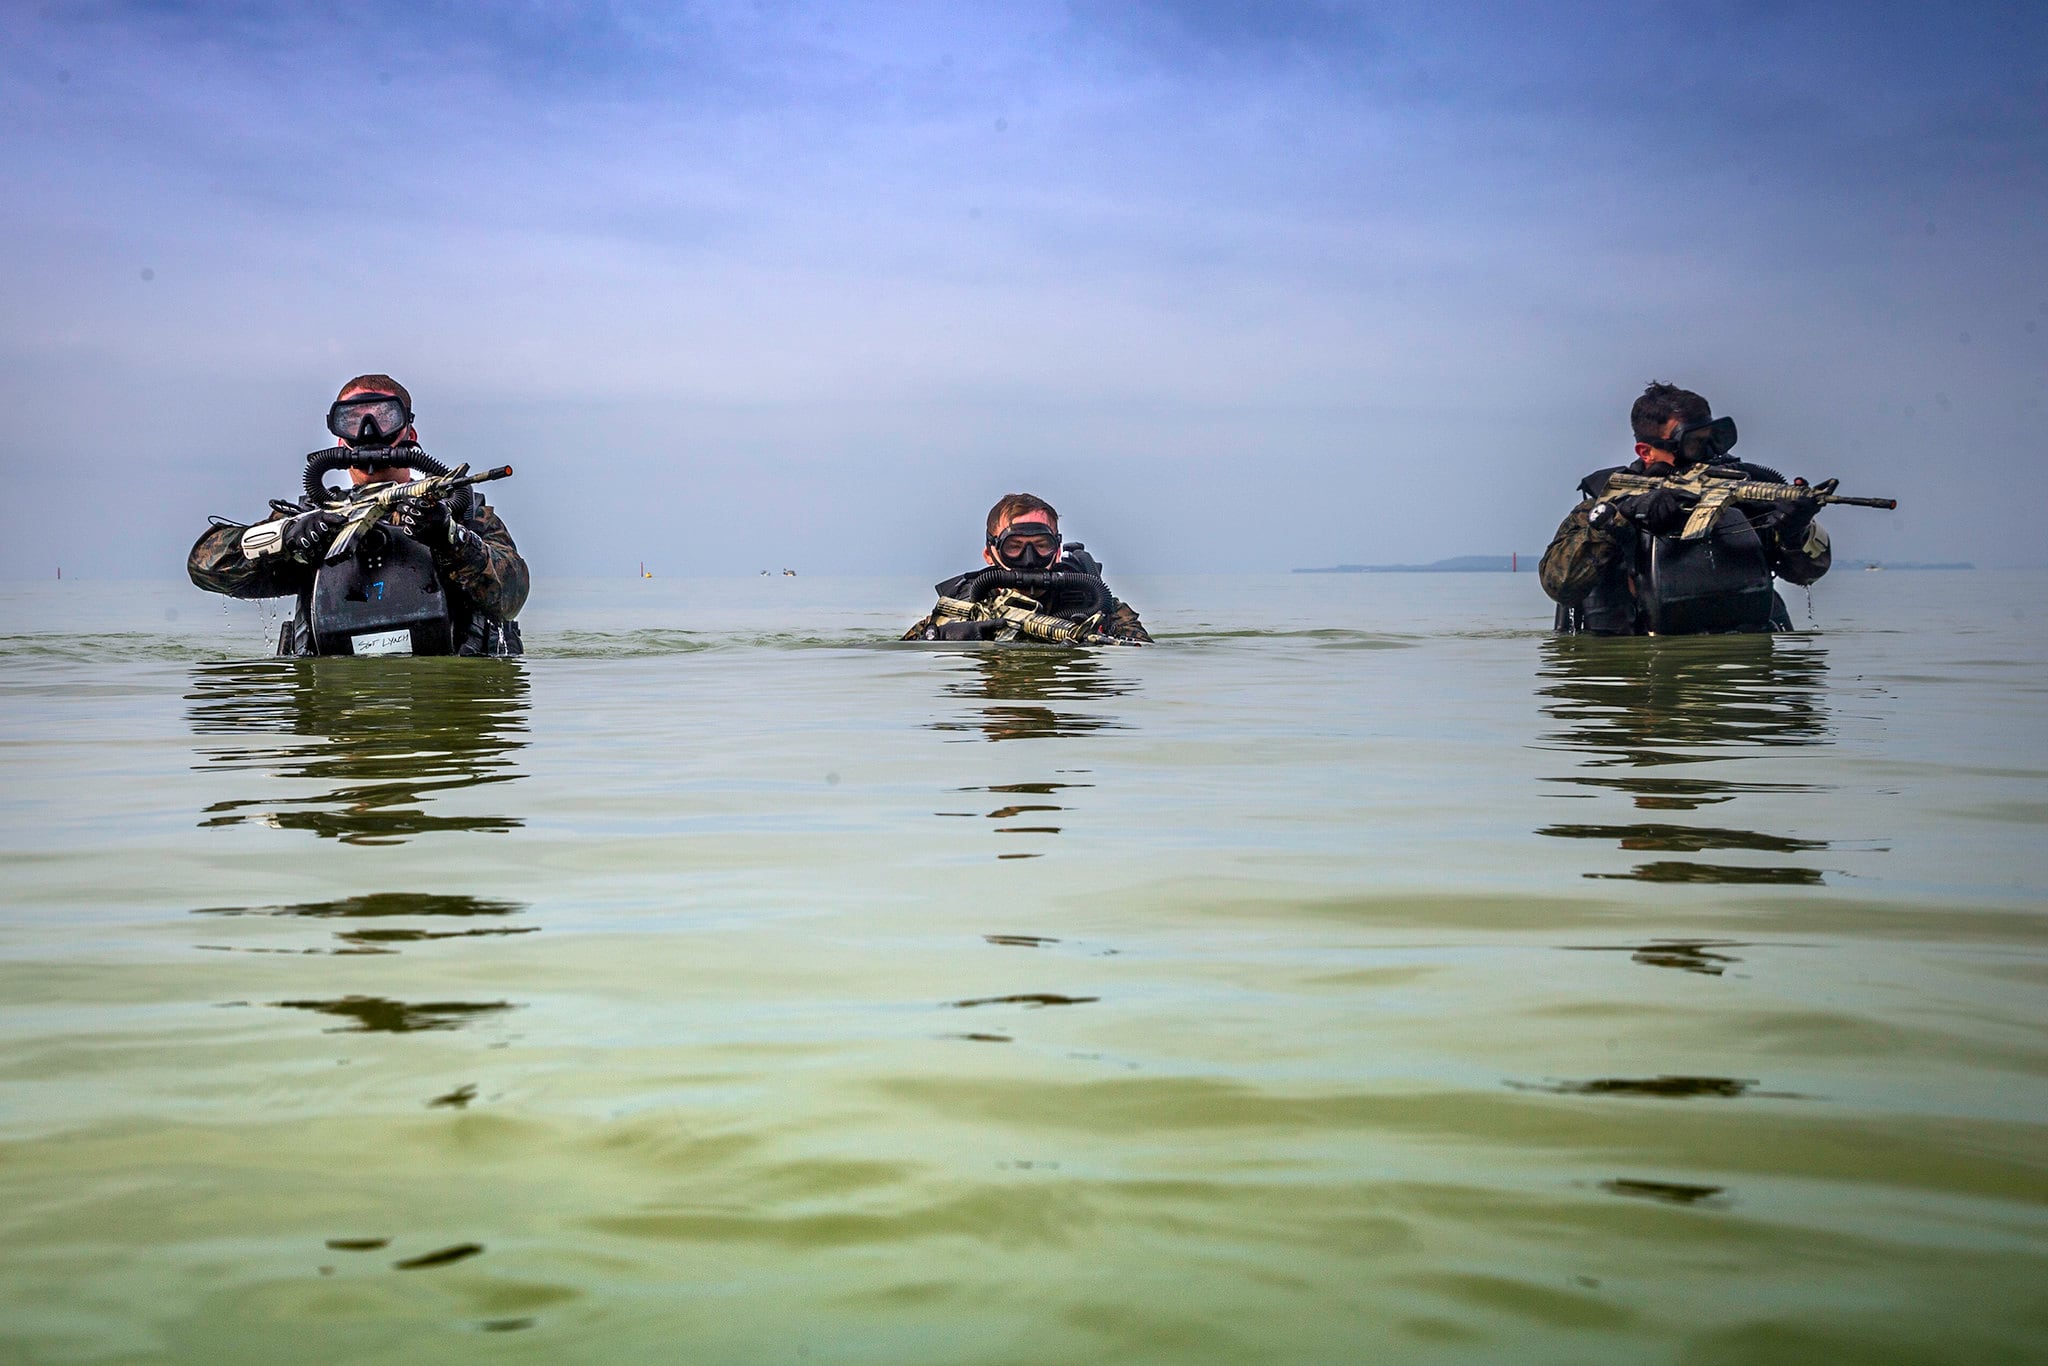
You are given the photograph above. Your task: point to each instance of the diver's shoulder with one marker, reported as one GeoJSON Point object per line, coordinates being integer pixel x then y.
{"type": "Point", "coordinates": [1075, 557]}
{"type": "Point", "coordinates": [1595, 484]}
{"type": "Point", "coordinates": [1762, 474]}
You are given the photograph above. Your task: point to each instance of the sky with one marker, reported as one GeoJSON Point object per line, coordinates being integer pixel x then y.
{"type": "Point", "coordinates": [1234, 285]}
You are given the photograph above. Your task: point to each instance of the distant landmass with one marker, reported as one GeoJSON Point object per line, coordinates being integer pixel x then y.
{"type": "Point", "coordinates": [1504, 564]}
{"type": "Point", "coordinates": [1457, 564]}
{"type": "Point", "coordinates": [1916, 564]}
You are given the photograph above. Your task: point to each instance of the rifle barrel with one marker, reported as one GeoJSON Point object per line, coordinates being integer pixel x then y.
{"type": "Point", "coordinates": [1888, 504]}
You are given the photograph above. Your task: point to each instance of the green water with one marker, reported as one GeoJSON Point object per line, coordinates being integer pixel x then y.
{"type": "Point", "coordinates": [1359, 975]}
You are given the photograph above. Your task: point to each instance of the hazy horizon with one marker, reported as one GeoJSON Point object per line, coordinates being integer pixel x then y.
{"type": "Point", "coordinates": [779, 284]}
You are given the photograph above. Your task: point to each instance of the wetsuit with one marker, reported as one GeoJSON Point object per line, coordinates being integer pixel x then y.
{"type": "Point", "coordinates": [487, 579]}
{"type": "Point", "coordinates": [1593, 568]}
{"type": "Point", "coordinates": [1119, 621]}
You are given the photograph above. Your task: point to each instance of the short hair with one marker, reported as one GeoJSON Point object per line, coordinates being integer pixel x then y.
{"type": "Point", "coordinates": [1011, 506]}
{"type": "Point", "coordinates": [377, 384]}
{"type": "Point", "coordinates": [1659, 404]}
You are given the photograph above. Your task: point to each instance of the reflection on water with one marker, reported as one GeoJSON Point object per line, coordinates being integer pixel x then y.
{"type": "Point", "coordinates": [378, 1014]}
{"type": "Point", "coordinates": [382, 739]}
{"type": "Point", "coordinates": [1031, 1000]}
{"type": "Point", "coordinates": [1731, 874]}
{"type": "Point", "coordinates": [1015, 682]}
{"type": "Point", "coordinates": [384, 905]}
{"type": "Point", "coordinates": [1032, 815]}
{"type": "Point", "coordinates": [1684, 839]}
{"type": "Point", "coordinates": [1666, 1192]}
{"type": "Point", "coordinates": [439, 1257]}
{"type": "Point", "coordinates": [1680, 794]}
{"type": "Point", "coordinates": [1650, 703]}
{"type": "Point", "coordinates": [1687, 955]}
{"type": "Point", "coordinates": [1665, 1088]}
{"type": "Point", "coordinates": [1645, 702]}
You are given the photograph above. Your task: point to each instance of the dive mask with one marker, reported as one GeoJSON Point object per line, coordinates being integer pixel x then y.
{"type": "Point", "coordinates": [369, 419]}
{"type": "Point", "coordinates": [1027, 546]}
{"type": "Point", "coordinates": [1701, 441]}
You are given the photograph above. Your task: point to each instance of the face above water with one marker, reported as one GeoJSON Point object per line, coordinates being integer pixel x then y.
{"type": "Point", "coordinates": [1028, 542]}
{"type": "Point", "coordinates": [389, 473]}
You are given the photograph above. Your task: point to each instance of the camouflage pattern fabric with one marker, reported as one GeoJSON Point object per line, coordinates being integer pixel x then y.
{"type": "Point", "coordinates": [1582, 555]}
{"type": "Point", "coordinates": [494, 577]}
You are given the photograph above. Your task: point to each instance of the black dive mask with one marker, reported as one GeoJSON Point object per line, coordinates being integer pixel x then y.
{"type": "Point", "coordinates": [1030, 546]}
{"type": "Point", "coordinates": [369, 419]}
{"type": "Point", "coordinates": [1701, 441]}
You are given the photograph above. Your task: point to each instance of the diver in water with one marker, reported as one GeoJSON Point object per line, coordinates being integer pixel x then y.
{"type": "Point", "coordinates": [1618, 566]}
{"type": "Point", "coordinates": [1022, 552]}
{"type": "Point", "coordinates": [443, 572]}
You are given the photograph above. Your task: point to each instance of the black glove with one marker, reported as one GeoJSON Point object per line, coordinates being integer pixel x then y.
{"type": "Point", "coordinates": [1790, 519]}
{"type": "Point", "coordinates": [306, 536]}
{"type": "Point", "coordinates": [452, 542]}
{"type": "Point", "coordinates": [966, 630]}
{"type": "Point", "coordinates": [1658, 512]}
{"type": "Point", "coordinates": [430, 523]}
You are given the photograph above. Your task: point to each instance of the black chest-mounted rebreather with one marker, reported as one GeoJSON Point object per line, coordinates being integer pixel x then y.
{"type": "Point", "coordinates": [384, 595]}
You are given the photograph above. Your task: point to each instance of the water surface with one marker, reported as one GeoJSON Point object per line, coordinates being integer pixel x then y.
{"type": "Point", "coordinates": [1360, 974]}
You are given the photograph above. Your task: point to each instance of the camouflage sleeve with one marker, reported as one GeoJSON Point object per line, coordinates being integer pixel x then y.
{"type": "Point", "coordinates": [1122, 622]}
{"type": "Point", "coordinates": [917, 632]}
{"type": "Point", "coordinates": [1580, 555]}
{"type": "Point", "coordinates": [218, 565]}
{"type": "Point", "coordinates": [490, 570]}
{"type": "Point", "coordinates": [1806, 559]}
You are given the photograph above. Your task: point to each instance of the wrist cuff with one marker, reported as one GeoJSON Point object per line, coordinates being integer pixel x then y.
{"type": "Point", "coordinates": [263, 539]}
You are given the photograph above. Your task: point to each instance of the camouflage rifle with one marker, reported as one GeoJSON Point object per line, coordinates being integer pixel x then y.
{"type": "Point", "coordinates": [1715, 487]}
{"type": "Point", "coordinates": [1024, 617]}
{"type": "Point", "coordinates": [364, 510]}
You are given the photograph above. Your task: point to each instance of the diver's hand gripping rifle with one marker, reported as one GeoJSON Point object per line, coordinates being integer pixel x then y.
{"type": "Point", "coordinates": [364, 510]}
{"type": "Point", "coordinates": [1715, 487]}
{"type": "Point", "coordinates": [1024, 617]}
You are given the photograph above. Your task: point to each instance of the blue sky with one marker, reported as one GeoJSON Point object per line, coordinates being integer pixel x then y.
{"type": "Point", "coordinates": [1259, 286]}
